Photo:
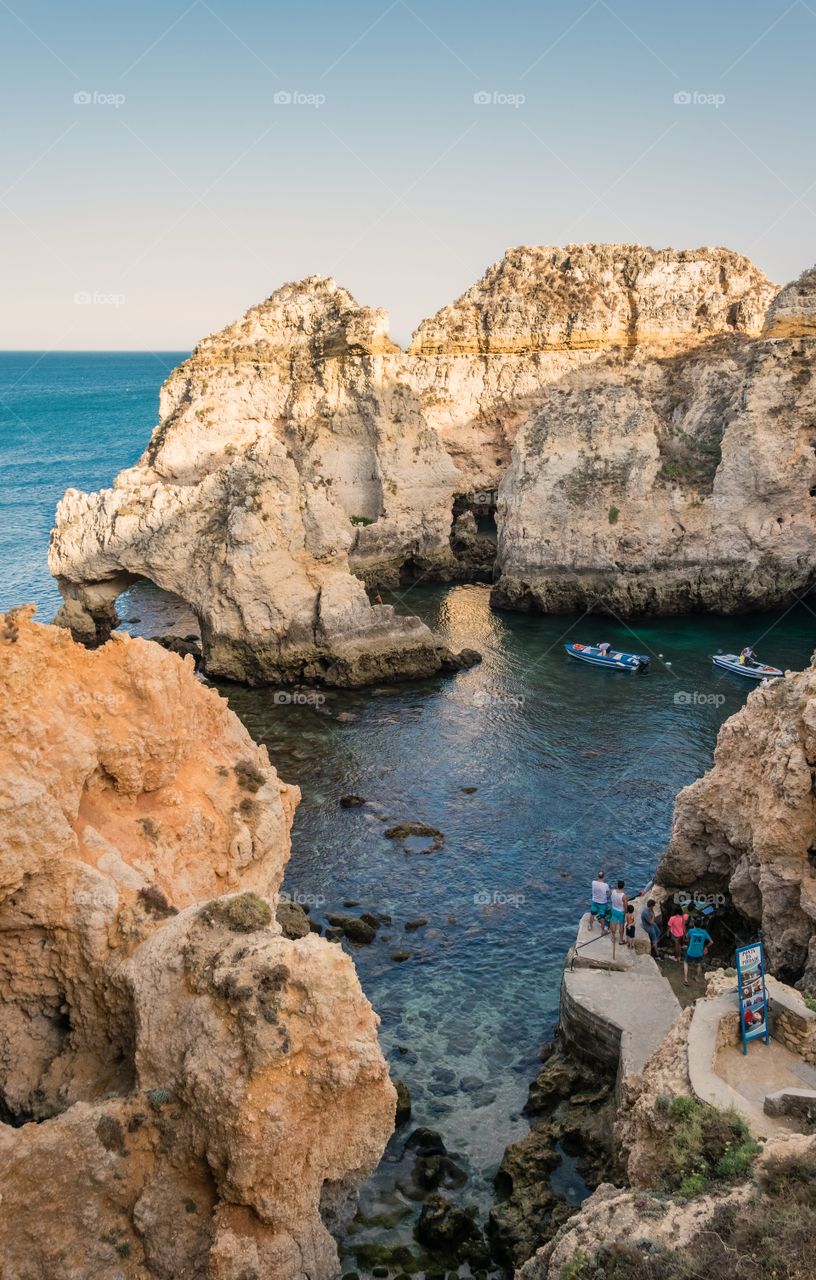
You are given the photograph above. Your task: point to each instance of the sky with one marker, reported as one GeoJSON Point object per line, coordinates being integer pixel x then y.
{"type": "Point", "coordinates": [167, 164]}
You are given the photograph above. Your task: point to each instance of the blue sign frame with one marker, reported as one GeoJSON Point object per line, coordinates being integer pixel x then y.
{"type": "Point", "coordinates": [753, 997]}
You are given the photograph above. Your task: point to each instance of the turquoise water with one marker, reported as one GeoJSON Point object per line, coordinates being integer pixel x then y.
{"type": "Point", "coordinates": [573, 768]}
{"type": "Point", "coordinates": [66, 420]}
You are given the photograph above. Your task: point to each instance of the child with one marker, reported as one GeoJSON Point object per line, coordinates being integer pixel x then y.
{"type": "Point", "coordinates": [630, 927]}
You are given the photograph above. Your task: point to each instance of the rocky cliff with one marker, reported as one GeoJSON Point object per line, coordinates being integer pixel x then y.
{"type": "Point", "coordinates": [665, 485]}
{"type": "Point", "coordinates": [281, 440]}
{"type": "Point", "coordinates": [182, 1088]}
{"type": "Point", "coordinates": [650, 446]}
{"type": "Point", "coordinates": [747, 828]}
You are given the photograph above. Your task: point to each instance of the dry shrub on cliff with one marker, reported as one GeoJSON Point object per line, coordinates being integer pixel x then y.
{"type": "Point", "coordinates": [242, 914]}
{"type": "Point", "coordinates": [769, 1238]}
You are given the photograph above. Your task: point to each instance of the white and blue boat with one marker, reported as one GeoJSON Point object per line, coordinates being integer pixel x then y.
{"type": "Point", "coordinates": [613, 659]}
{"type": "Point", "coordinates": [731, 662]}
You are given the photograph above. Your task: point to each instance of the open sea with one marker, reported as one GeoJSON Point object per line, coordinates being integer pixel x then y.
{"type": "Point", "coordinates": [538, 771]}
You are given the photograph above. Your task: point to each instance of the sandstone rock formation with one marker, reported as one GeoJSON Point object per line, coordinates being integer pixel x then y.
{"type": "Point", "coordinates": [793, 312]}
{"type": "Point", "coordinates": [182, 1087]}
{"type": "Point", "coordinates": [747, 828]}
{"type": "Point", "coordinates": [543, 313]}
{"type": "Point", "coordinates": [666, 485]}
{"type": "Point", "coordinates": [649, 449]}
{"type": "Point", "coordinates": [282, 441]}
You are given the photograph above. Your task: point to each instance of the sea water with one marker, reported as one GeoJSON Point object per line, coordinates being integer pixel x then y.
{"type": "Point", "coordinates": [538, 770]}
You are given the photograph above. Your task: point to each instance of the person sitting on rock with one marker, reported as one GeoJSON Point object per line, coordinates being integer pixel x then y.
{"type": "Point", "coordinates": [599, 905]}
{"type": "Point", "coordinates": [699, 944]}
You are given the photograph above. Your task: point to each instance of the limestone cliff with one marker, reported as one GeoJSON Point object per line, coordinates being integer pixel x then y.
{"type": "Point", "coordinates": [180, 1084]}
{"type": "Point", "coordinates": [653, 450]}
{"type": "Point", "coordinates": [793, 312]}
{"type": "Point", "coordinates": [747, 828]}
{"type": "Point", "coordinates": [281, 441]}
{"type": "Point", "coordinates": [665, 484]}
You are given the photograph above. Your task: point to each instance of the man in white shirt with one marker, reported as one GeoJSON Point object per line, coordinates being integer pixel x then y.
{"type": "Point", "coordinates": [599, 905]}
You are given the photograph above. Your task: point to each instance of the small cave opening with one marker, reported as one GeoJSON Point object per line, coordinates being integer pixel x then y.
{"type": "Point", "coordinates": [474, 534]}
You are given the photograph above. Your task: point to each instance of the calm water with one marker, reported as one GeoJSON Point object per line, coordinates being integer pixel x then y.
{"type": "Point", "coordinates": [66, 421]}
{"type": "Point", "coordinates": [573, 768]}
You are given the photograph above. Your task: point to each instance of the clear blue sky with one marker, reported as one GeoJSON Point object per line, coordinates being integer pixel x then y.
{"type": "Point", "coordinates": [148, 220]}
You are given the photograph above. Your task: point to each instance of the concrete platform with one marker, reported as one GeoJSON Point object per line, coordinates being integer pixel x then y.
{"type": "Point", "coordinates": [593, 950]}
{"type": "Point", "coordinates": [615, 1009]}
{"type": "Point", "coordinates": [720, 1073]}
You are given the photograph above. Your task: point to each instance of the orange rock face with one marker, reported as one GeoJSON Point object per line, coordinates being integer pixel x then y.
{"type": "Point", "coordinates": [180, 1085]}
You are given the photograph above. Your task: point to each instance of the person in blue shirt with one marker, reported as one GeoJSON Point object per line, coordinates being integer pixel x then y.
{"type": "Point", "coordinates": [699, 943]}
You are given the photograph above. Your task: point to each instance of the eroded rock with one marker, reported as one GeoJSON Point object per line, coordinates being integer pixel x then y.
{"type": "Point", "coordinates": [747, 828]}
{"type": "Point", "coordinates": [151, 1009]}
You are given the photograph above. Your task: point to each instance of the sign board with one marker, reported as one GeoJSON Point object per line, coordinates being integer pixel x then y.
{"type": "Point", "coordinates": [753, 999]}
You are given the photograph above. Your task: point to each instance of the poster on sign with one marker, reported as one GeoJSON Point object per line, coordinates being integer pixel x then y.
{"type": "Point", "coordinates": [753, 999]}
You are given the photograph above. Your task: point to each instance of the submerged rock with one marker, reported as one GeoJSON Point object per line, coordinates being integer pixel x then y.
{"type": "Point", "coordinates": [416, 830]}
{"type": "Point", "coordinates": [403, 1114]}
{"type": "Point", "coordinates": [450, 1230]}
{"type": "Point", "coordinates": [352, 927]}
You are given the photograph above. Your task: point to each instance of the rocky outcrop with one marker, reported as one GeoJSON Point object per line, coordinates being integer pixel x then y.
{"type": "Point", "coordinates": [594, 296]}
{"type": "Point", "coordinates": [182, 1087]}
{"type": "Point", "coordinates": [613, 404]}
{"type": "Point", "coordinates": [287, 445]}
{"type": "Point", "coordinates": [747, 828]}
{"type": "Point", "coordinates": [665, 485]}
{"type": "Point", "coordinates": [793, 312]}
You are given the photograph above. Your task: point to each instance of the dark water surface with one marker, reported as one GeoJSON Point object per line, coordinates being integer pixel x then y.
{"type": "Point", "coordinates": [573, 769]}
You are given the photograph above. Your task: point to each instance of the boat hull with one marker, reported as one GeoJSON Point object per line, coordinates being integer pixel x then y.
{"type": "Point", "coordinates": [613, 661]}
{"type": "Point", "coordinates": [730, 662]}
